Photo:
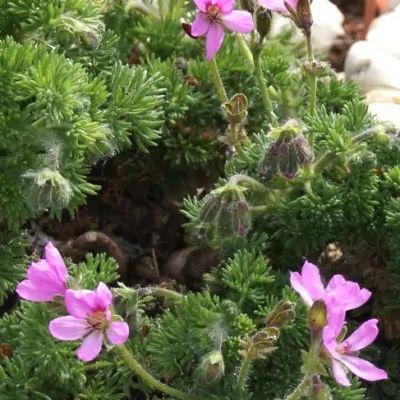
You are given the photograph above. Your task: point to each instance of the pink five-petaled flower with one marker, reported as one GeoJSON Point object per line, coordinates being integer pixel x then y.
{"type": "Point", "coordinates": [338, 293]}
{"type": "Point", "coordinates": [46, 278]}
{"type": "Point", "coordinates": [90, 319]}
{"type": "Point", "coordinates": [214, 16]}
{"type": "Point", "coordinates": [344, 354]}
{"type": "Point", "coordinates": [277, 5]}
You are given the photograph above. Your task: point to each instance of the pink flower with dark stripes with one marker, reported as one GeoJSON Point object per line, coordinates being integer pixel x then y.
{"type": "Point", "coordinates": [90, 319]}
{"type": "Point", "coordinates": [215, 15]}
{"type": "Point", "coordinates": [46, 278]}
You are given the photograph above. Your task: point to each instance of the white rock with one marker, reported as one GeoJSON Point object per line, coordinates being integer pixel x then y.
{"type": "Point", "coordinates": [383, 96]}
{"type": "Point", "coordinates": [384, 32]}
{"type": "Point", "coordinates": [328, 21]}
{"type": "Point", "coordinates": [372, 67]}
{"type": "Point", "coordinates": [386, 112]}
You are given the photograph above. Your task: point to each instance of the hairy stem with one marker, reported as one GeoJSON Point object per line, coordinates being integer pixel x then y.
{"type": "Point", "coordinates": [242, 154]}
{"type": "Point", "coordinates": [218, 81]}
{"type": "Point", "coordinates": [244, 48]}
{"type": "Point", "coordinates": [162, 292]}
{"type": "Point", "coordinates": [300, 389]}
{"type": "Point", "coordinates": [149, 380]}
{"type": "Point", "coordinates": [243, 373]}
{"type": "Point", "coordinates": [263, 87]}
{"type": "Point", "coordinates": [323, 162]}
{"type": "Point", "coordinates": [245, 180]}
{"type": "Point", "coordinates": [313, 80]}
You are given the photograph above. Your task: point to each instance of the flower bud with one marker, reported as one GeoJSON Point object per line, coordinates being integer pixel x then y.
{"type": "Point", "coordinates": [263, 21]}
{"type": "Point", "coordinates": [281, 314]}
{"type": "Point", "coordinates": [319, 391]}
{"type": "Point", "coordinates": [260, 344]}
{"type": "Point", "coordinates": [234, 219]}
{"type": "Point", "coordinates": [248, 5]}
{"type": "Point", "coordinates": [90, 40]}
{"type": "Point", "coordinates": [304, 16]}
{"type": "Point", "coordinates": [210, 208]}
{"type": "Point", "coordinates": [212, 366]}
{"type": "Point", "coordinates": [236, 108]}
{"type": "Point", "coordinates": [285, 154]}
{"type": "Point", "coordinates": [188, 29]}
{"type": "Point", "coordinates": [316, 68]}
{"type": "Point", "coordinates": [317, 317]}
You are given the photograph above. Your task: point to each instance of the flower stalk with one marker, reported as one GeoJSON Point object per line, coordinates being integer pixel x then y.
{"type": "Point", "coordinates": [263, 87]}
{"type": "Point", "coordinates": [223, 97]}
{"type": "Point", "coordinates": [149, 380]}
{"type": "Point", "coordinates": [243, 373]}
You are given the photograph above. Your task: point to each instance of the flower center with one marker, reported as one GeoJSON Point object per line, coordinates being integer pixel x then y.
{"type": "Point", "coordinates": [213, 13]}
{"type": "Point", "coordinates": [345, 348]}
{"type": "Point", "coordinates": [98, 320]}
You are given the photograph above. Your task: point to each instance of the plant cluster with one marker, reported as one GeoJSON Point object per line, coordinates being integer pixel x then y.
{"type": "Point", "coordinates": [306, 166]}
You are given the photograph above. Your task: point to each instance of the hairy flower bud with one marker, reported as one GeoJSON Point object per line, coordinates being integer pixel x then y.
{"type": "Point", "coordinates": [236, 108]}
{"type": "Point", "coordinates": [285, 154]}
{"type": "Point", "coordinates": [316, 68]}
{"type": "Point", "coordinates": [212, 366]}
{"type": "Point", "coordinates": [304, 16]}
{"type": "Point", "coordinates": [260, 344]}
{"type": "Point", "coordinates": [263, 21]}
{"type": "Point", "coordinates": [281, 314]}
{"type": "Point", "coordinates": [227, 208]}
{"type": "Point", "coordinates": [317, 317]}
{"type": "Point", "coordinates": [247, 5]}
{"type": "Point", "coordinates": [319, 391]}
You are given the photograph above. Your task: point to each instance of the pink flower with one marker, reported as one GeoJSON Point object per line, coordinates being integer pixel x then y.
{"type": "Point", "coordinates": [344, 354]}
{"type": "Point", "coordinates": [90, 319]}
{"type": "Point", "coordinates": [277, 5]}
{"type": "Point", "coordinates": [338, 293]}
{"type": "Point", "coordinates": [215, 15]}
{"type": "Point", "coordinates": [46, 278]}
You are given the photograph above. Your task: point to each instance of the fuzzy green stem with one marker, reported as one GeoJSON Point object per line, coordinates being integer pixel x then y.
{"type": "Point", "coordinates": [243, 373]}
{"type": "Point", "coordinates": [301, 389]}
{"type": "Point", "coordinates": [218, 81]}
{"type": "Point", "coordinates": [247, 181]}
{"type": "Point", "coordinates": [149, 380]}
{"type": "Point", "coordinates": [313, 82]}
{"type": "Point", "coordinates": [158, 291]}
{"type": "Point", "coordinates": [244, 48]}
{"type": "Point", "coordinates": [323, 162]}
{"type": "Point", "coordinates": [263, 87]}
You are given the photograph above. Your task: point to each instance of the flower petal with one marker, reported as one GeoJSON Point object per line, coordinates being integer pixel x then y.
{"type": "Point", "coordinates": [364, 335]}
{"type": "Point", "coordinates": [201, 5]}
{"type": "Point", "coordinates": [297, 285]}
{"type": "Point", "coordinates": [104, 294]}
{"type": "Point", "coordinates": [340, 374]}
{"type": "Point", "coordinates": [117, 332]}
{"type": "Point", "coordinates": [364, 369]}
{"type": "Point", "coordinates": [225, 6]}
{"type": "Point", "coordinates": [81, 303]}
{"type": "Point", "coordinates": [91, 346]}
{"type": "Point", "coordinates": [28, 291]}
{"type": "Point", "coordinates": [215, 37]}
{"type": "Point", "coordinates": [53, 257]}
{"type": "Point", "coordinates": [335, 282]}
{"type": "Point", "coordinates": [68, 328]}
{"type": "Point", "coordinates": [200, 25]}
{"type": "Point", "coordinates": [239, 21]}
{"type": "Point", "coordinates": [329, 340]}
{"type": "Point", "coordinates": [275, 5]}
{"type": "Point", "coordinates": [311, 279]}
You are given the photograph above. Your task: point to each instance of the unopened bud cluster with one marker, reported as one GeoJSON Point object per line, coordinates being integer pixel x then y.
{"type": "Point", "coordinates": [227, 209]}
{"type": "Point", "coordinates": [287, 153]}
